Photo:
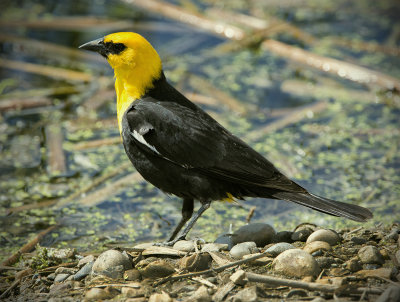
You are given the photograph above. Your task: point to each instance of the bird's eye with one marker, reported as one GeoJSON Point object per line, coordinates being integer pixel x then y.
{"type": "Point", "coordinates": [115, 48]}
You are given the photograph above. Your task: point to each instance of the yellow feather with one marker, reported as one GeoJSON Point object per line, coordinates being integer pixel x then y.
{"type": "Point", "coordinates": [229, 198]}
{"type": "Point", "coordinates": [135, 69]}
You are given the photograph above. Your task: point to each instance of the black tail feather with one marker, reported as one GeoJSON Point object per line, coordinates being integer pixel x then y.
{"type": "Point", "coordinates": [328, 206]}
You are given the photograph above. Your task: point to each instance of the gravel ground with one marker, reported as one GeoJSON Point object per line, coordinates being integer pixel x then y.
{"type": "Point", "coordinates": [254, 263]}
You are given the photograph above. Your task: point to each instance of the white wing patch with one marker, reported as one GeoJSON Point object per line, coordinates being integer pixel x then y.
{"type": "Point", "coordinates": [141, 140]}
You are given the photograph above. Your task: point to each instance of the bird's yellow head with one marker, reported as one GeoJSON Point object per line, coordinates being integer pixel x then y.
{"type": "Point", "coordinates": [135, 62]}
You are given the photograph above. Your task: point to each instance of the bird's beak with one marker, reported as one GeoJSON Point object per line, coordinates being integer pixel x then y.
{"type": "Point", "coordinates": [95, 45]}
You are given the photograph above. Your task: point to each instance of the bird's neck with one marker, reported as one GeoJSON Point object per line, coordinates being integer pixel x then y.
{"type": "Point", "coordinates": [130, 85]}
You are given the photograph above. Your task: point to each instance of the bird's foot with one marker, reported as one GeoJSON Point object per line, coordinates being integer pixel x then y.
{"type": "Point", "coordinates": [169, 243]}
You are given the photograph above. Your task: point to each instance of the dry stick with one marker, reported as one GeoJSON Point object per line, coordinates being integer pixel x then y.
{"type": "Point", "coordinates": [343, 69]}
{"type": "Point", "coordinates": [31, 206]}
{"type": "Point", "coordinates": [195, 19]}
{"type": "Point", "coordinates": [70, 23]}
{"type": "Point", "coordinates": [43, 92]}
{"type": "Point", "coordinates": [97, 143]}
{"type": "Point", "coordinates": [12, 286]}
{"type": "Point", "coordinates": [96, 182]}
{"type": "Point", "coordinates": [47, 48]}
{"type": "Point", "coordinates": [19, 104]}
{"type": "Point", "coordinates": [294, 116]}
{"type": "Point", "coordinates": [30, 246]}
{"type": "Point", "coordinates": [56, 160]}
{"type": "Point", "coordinates": [272, 280]}
{"type": "Point", "coordinates": [210, 271]}
{"type": "Point", "coordinates": [49, 71]}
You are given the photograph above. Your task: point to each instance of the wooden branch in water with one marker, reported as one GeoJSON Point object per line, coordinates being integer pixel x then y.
{"type": "Point", "coordinates": [30, 246]}
{"type": "Point", "coordinates": [340, 68]}
{"type": "Point", "coordinates": [19, 104]}
{"type": "Point", "coordinates": [31, 206]}
{"type": "Point", "coordinates": [195, 19]}
{"type": "Point", "coordinates": [44, 70]}
{"type": "Point", "coordinates": [56, 160]}
{"type": "Point", "coordinates": [294, 116]}
{"type": "Point", "coordinates": [96, 182]}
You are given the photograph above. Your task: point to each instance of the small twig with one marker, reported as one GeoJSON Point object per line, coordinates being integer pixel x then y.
{"type": "Point", "coordinates": [30, 246]}
{"type": "Point", "coordinates": [10, 268]}
{"type": "Point", "coordinates": [250, 215]}
{"type": "Point", "coordinates": [213, 270]}
{"type": "Point", "coordinates": [53, 268]}
{"type": "Point", "coordinates": [223, 291]}
{"type": "Point", "coordinates": [136, 285]}
{"type": "Point", "coordinates": [273, 280]}
{"type": "Point", "coordinates": [8, 290]}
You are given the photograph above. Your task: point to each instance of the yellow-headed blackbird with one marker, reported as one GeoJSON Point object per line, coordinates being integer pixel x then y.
{"type": "Point", "coordinates": [181, 150]}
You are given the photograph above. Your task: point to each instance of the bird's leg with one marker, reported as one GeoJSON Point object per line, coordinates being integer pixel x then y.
{"type": "Point", "coordinates": [189, 226]}
{"type": "Point", "coordinates": [187, 212]}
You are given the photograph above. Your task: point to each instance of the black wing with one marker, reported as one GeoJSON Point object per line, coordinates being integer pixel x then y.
{"type": "Point", "coordinates": [191, 138]}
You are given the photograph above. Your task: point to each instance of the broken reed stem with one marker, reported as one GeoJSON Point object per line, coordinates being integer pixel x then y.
{"type": "Point", "coordinates": [56, 160]}
{"type": "Point", "coordinates": [30, 246]}
{"type": "Point", "coordinates": [273, 280]}
{"type": "Point", "coordinates": [212, 270]}
{"type": "Point", "coordinates": [48, 71]}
